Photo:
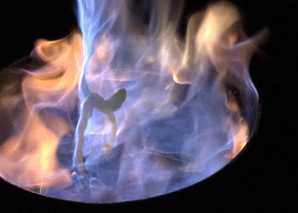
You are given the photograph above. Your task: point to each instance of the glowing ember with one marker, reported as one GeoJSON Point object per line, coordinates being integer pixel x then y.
{"type": "Point", "coordinates": [117, 112]}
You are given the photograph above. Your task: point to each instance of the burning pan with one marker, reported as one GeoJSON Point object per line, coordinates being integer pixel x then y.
{"type": "Point", "coordinates": [115, 113]}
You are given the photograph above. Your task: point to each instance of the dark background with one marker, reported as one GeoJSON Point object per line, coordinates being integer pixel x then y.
{"type": "Point", "coordinates": [262, 178]}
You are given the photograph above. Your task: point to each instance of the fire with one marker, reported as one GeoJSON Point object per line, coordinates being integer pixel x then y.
{"type": "Point", "coordinates": [217, 21]}
{"type": "Point", "coordinates": [240, 139]}
{"type": "Point", "coordinates": [29, 158]}
{"type": "Point", "coordinates": [111, 109]}
{"type": "Point", "coordinates": [32, 155]}
{"type": "Point", "coordinates": [240, 132]}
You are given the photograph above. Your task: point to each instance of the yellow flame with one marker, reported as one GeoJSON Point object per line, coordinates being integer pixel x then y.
{"type": "Point", "coordinates": [218, 19]}
{"type": "Point", "coordinates": [206, 40]}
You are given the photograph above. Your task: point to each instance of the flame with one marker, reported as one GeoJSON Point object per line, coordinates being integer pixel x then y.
{"type": "Point", "coordinates": [32, 155]}
{"type": "Point", "coordinates": [29, 157]}
{"type": "Point", "coordinates": [240, 130]}
{"type": "Point", "coordinates": [218, 19]}
{"type": "Point", "coordinates": [143, 107]}
{"type": "Point", "coordinates": [240, 139]}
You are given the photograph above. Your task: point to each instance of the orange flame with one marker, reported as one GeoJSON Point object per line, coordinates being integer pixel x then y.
{"type": "Point", "coordinates": [240, 130]}
{"type": "Point", "coordinates": [29, 157]}
{"type": "Point", "coordinates": [240, 139]}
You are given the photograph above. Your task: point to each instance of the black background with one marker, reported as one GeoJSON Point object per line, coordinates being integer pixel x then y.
{"type": "Point", "coordinates": [262, 178]}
